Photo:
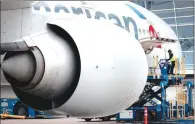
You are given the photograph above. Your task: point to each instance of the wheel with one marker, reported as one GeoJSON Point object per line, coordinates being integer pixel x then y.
{"type": "Point", "coordinates": [106, 118]}
{"type": "Point", "coordinates": [87, 119]}
{"type": "Point", "coordinates": [20, 109]}
{"type": "Point", "coordinates": [138, 116]}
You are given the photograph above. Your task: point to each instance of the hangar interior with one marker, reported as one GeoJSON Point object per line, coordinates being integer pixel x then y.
{"type": "Point", "coordinates": [175, 101]}
{"type": "Point", "coordinates": [180, 16]}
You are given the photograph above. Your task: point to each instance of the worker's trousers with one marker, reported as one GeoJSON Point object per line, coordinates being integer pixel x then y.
{"type": "Point", "coordinates": [171, 68]}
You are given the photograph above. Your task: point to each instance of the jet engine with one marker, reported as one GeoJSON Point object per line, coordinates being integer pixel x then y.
{"type": "Point", "coordinates": [84, 68]}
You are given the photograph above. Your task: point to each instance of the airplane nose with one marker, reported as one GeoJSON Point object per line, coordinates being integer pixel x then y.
{"type": "Point", "coordinates": [20, 67]}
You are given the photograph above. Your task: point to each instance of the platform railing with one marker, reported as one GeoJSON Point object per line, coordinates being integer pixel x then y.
{"type": "Point", "coordinates": [189, 61]}
{"type": "Point", "coordinates": [182, 66]}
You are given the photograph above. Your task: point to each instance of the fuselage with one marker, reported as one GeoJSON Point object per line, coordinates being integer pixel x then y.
{"type": "Point", "coordinates": [129, 17]}
{"type": "Point", "coordinates": [138, 21]}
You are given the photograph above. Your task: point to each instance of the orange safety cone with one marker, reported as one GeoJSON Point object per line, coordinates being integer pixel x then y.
{"type": "Point", "coordinates": [5, 115]}
{"type": "Point", "coordinates": [145, 115]}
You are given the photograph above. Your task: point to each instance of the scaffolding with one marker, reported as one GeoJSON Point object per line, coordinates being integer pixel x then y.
{"type": "Point", "coordinates": [179, 68]}
{"type": "Point", "coordinates": [180, 108]}
{"type": "Point", "coordinates": [179, 104]}
{"type": "Point", "coordinates": [155, 62]}
{"type": "Point", "coordinates": [182, 67]}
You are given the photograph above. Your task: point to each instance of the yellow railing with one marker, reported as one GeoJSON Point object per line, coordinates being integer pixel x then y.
{"type": "Point", "coordinates": [183, 69]}
{"type": "Point", "coordinates": [155, 61]}
{"type": "Point", "coordinates": [178, 69]}
{"type": "Point", "coordinates": [154, 66]}
{"type": "Point", "coordinates": [181, 99]}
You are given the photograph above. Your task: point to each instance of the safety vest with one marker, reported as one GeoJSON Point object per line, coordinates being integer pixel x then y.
{"type": "Point", "coordinates": [173, 58]}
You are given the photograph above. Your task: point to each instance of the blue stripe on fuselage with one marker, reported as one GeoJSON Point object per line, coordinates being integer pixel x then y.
{"type": "Point", "coordinates": [136, 11]}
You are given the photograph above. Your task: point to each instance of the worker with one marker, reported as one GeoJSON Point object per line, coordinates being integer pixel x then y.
{"type": "Point", "coordinates": [172, 60]}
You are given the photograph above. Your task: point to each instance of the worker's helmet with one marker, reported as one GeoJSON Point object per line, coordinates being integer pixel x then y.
{"type": "Point", "coordinates": [169, 51]}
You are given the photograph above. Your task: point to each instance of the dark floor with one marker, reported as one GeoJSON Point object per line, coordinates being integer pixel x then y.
{"type": "Point", "coordinates": [76, 121]}
{"type": "Point", "coordinates": [54, 121]}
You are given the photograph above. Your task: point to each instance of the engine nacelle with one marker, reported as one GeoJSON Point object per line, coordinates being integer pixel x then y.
{"type": "Point", "coordinates": [84, 68]}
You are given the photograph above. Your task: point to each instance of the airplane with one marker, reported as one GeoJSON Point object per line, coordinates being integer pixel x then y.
{"type": "Point", "coordinates": [81, 58]}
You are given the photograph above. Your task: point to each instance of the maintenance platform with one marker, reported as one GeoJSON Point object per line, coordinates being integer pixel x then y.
{"type": "Point", "coordinates": [175, 111]}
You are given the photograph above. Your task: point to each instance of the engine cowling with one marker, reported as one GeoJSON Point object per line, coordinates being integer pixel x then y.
{"type": "Point", "coordinates": [83, 68]}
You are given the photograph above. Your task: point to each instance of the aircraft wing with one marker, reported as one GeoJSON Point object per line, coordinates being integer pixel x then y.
{"type": "Point", "coordinates": [17, 45]}
{"type": "Point", "coordinates": [10, 5]}
{"type": "Point", "coordinates": [150, 42]}
{"type": "Point", "coordinates": [13, 46]}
